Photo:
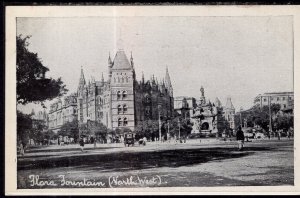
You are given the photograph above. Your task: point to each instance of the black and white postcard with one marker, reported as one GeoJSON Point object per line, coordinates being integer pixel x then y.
{"type": "Point", "coordinates": [152, 100]}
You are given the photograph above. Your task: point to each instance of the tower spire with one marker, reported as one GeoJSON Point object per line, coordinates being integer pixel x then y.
{"type": "Point", "coordinates": [109, 59]}
{"type": "Point", "coordinates": [102, 77]}
{"type": "Point", "coordinates": [82, 79]}
{"type": "Point", "coordinates": [131, 60]}
{"type": "Point", "coordinates": [168, 82]}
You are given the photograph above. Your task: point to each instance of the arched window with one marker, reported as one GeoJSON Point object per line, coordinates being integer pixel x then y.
{"type": "Point", "coordinates": [114, 79]}
{"type": "Point", "coordinates": [126, 78]}
{"type": "Point", "coordinates": [125, 108]}
{"type": "Point", "coordinates": [148, 99]}
{"type": "Point", "coordinates": [119, 109]}
{"type": "Point", "coordinates": [125, 122]}
{"type": "Point", "coordinates": [122, 79]}
{"type": "Point", "coordinates": [119, 122]}
{"type": "Point", "coordinates": [124, 94]}
{"type": "Point", "coordinates": [118, 95]}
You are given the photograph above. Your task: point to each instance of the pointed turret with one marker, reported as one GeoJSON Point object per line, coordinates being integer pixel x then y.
{"type": "Point", "coordinates": [143, 79]}
{"type": "Point", "coordinates": [109, 66]}
{"type": "Point", "coordinates": [109, 60]}
{"type": "Point", "coordinates": [131, 60]}
{"type": "Point", "coordinates": [229, 104]}
{"type": "Point", "coordinates": [121, 61]}
{"type": "Point", "coordinates": [168, 82]}
{"type": "Point", "coordinates": [218, 102]}
{"type": "Point", "coordinates": [153, 80]}
{"type": "Point", "coordinates": [102, 78]}
{"type": "Point", "coordinates": [81, 81]}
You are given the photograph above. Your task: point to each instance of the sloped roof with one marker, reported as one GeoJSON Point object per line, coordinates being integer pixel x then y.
{"type": "Point", "coordinates": [229, 104]}
{"type": "Point", "coordinates": [218, 102]}
{"type": "Point", "coordinates": [121, 61]}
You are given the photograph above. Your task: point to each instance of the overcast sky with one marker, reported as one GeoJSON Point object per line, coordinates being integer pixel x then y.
{"type": "Point", "coordinates": [239, 57]}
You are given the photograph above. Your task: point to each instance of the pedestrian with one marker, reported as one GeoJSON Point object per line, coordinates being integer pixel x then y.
{"type": "Point", "coordinates": [279, 134]}
{"type": "Point", "coordinates": [269, 135]}
{"type": "Point", "coordinates": [95, 142]}
{"type": "Point", "coordinates": [288, 134]}
{"type": "Point", "coordinates": [240, 138]}
{"type": "Point", "coordinates": [81, 143]}
{"type": "Point", "coordinates": [21, 148]}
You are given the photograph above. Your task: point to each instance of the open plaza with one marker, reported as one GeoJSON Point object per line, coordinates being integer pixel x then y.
{"type": "Point", "coordinates": [198, 163]}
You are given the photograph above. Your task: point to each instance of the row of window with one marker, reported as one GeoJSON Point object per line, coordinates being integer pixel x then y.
{"type": "Point", "coordinates": [278, 98]}
{"type": "Point", "coordinates": [122, 109]}
{"type": "Point", "coordinates": [121, 95]}
{"type": "Point", "coordinates": [122, 122]}
{"type": "Point", "coordinates": [121, 80]}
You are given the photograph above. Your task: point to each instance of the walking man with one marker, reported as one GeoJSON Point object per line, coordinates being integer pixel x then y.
{"type": "Point", "coordinates": [81, 143]}
{"type": "Point", "coordinates": [240, 138]}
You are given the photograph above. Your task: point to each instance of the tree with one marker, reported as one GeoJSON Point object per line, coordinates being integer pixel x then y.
{"type": "Point", "coordinates": [24, 127]}
{"type": "Point", "coordinates": [259, 116]}
{"type": "Point", "coordinates": [32, 85]}
{"type": "Point", "coordinates": [284, 122]}
{"type": "Point", "coordinates": [70, 129]}
{"type": "Point", "coordinates": [186, 126]}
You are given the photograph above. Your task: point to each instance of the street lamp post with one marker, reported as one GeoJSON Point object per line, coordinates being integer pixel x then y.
{"type": "Point", "coordinates": [159, 127]}
{"type": "Point", "coordinates": [168, 127]}
{"type": "Point", "coordinates": [179, 128]}
{"type": "Point", "coordinates": [270, 115]}
{"type": "Point", "coordinates": [241, 122]}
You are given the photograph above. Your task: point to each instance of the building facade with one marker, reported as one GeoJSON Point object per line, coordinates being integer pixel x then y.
{"type": "Point", "coordinates": [229, 113]}
{"type": "Point", "coordinates": [62, 111]}
{"type": "Point", "coordinates": [185, 106]}
{"type": "Point", "coordinates": [284, 99]}
{"type": "Point", "coordinates": [122, 101]}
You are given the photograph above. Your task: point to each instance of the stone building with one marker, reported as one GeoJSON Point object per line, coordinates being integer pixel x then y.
{"type": "Point", "coordinates": [284, 99]}
{"type": "Point", "coordinates": [185, 106]}
{"type": "Point", "coordinates": [62, 111]}
{"type": "Point", "coordinates": [229, 112]}
{"type": "Point", "coordinates": [39, 119]}
{"type": "Point", "coordinates": [122, 101]}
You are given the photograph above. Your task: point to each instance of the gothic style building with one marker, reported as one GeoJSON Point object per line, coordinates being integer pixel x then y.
{"type": "Point", "coordinates": [122, 101]}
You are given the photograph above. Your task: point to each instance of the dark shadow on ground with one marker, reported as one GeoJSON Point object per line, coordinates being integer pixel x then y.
{"type": "Point", "coordinates": [125, 161]}
{"type": "Point", "coordinates": [66, 149]}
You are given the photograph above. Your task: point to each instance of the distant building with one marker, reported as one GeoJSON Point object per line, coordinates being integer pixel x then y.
{"type": "Point", "coordinates": [62, 111]}
{"type": "Point", "coordinates": [39, 117]}
{"type": "Point", "coordinates": [229, 112]}
{"type": "Point", "coordinates": [185, 106]}
{"type": "Point", "coordinates": [284, 99]}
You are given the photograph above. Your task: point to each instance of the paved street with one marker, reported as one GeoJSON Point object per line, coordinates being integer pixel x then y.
{"type": "Point", "coordinates": [205, 163]}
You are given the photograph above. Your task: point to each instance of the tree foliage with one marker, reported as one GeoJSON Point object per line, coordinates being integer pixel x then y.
{"type": "Point", "coordinates": [93, 128]}
{"type": "Point", "coordinates": [32, 85]}
{"type": "Point", "coordinates": [150, 128]}
{"type": "Point", "coordinates": [260, 116]}
{"type": "Point", "coordinates": [28, 128]}
{"type": "Point", "coordinates": [70, 129]}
